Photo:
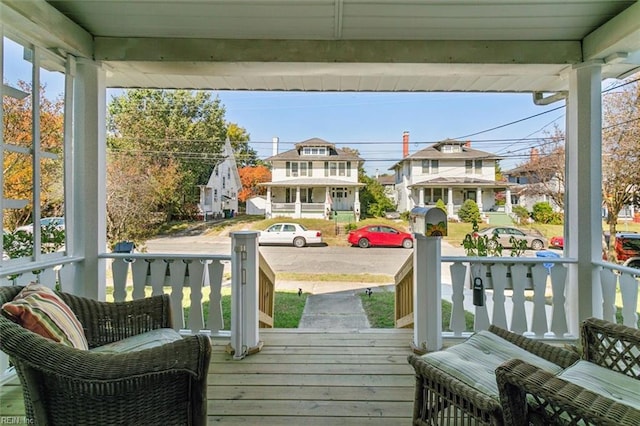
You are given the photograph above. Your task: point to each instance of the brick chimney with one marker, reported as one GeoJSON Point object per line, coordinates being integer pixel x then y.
{"type": "Point", "coordinates": [467, 144]}
{"type": "Point", "coordinates": [405, 144]}
{"type": "Point", "coordinates": [534, 155]}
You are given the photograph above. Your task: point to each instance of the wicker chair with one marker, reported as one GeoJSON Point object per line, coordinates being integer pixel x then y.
{"type": "Point", "coordinates": [441, 398]}
{"type": "Point", "coordinates": [62, 385]}
{"type": "Point", "coordinates": [532, 396]}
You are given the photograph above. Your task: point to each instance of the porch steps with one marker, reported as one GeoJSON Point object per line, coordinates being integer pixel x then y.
{"type": "Point", "coordinates": [499, 219]}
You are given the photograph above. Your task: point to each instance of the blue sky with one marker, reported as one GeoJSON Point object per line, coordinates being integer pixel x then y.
{"type": "Point", "coordinates": [373, 123]}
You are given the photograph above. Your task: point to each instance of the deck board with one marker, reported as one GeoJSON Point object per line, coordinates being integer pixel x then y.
{"type": "Point", "coordinates": [303, 377]}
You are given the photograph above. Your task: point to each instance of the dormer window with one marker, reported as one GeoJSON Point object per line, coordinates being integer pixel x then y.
{"type": "Point", "coordinates": [451, 148]}
{"type": "Point", "coordinates": [314, 150]}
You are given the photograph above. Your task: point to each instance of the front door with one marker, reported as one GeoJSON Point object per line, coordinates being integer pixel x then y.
{"type": "Point", "coordinates": [339, 196]}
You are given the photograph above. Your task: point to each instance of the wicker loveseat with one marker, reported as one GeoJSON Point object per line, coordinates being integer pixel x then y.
{"type": "Point", "coordinates": [457, 385]}
{"type": "Point", "coordinates": [602, 389]}
{"type": "Point", "coordinates": [165, 384]}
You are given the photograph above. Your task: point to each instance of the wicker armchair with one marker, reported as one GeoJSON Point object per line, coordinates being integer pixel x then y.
{"type": "Point", "coordinates": [62, 385]}
{"type": "Point", "coordinates": [533, 396]}
{"type": "Point", "coordinates": [443, 398]}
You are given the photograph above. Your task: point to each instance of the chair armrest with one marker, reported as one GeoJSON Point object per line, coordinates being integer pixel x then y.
{"type": "Point", "coordinates": [107, 322]}
{"type": "Point", "coordinates": [528, 393]}
{"type": "Point", "coordinates": [612, 346]}
{"type": "Point", "coordinates": [555, 354]}
{"type": "Point", "coordinates": [190, 355]}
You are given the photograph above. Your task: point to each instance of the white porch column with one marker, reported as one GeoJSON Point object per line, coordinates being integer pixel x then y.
{"type": "Point", "coordinates": [421, 198]}
{"type": "Point", "coordinates": [356, 204]}
{"type": "Point", "coordinates": [88, 189]}
{"type": "Point", "coordinates": [507, 201]}
{"type": "Point", "coordinates": [479, 199]}
{"type": "Point", "coordinates": [583, 199]}
{"type": "Point", "coordinates": [267, 205]}
{"type": "Point", "coordinates": [427, 292]}
{"type": "Point", "coordinates": [450, 202]}
{"type": "Point", "coordinates": [298, 205]}
{"type": "Point", "coordinates": [245, 338]}
{"type": "Point", "coordinates": [327, 203]}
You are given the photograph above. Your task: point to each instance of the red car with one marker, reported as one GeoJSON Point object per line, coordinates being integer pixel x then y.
{"type": "Point", "coordinates": [556, 242]}
{"type": "Point", "coordinates": [380, 235]}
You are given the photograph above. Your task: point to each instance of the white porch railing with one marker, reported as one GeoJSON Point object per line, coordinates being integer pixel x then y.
{"type": "Point", "coordinates": [138, 275]}
{"type": "Point", "coordinates": [527, 295]}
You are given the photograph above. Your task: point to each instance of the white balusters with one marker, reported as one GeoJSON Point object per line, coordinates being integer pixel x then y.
{"type": "Point", "coordinates": [458, 278]}
{"type": "Point", "coordinates": [519, 280]}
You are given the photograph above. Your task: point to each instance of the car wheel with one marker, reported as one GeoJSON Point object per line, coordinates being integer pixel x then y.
{"type": "Point", "coordinates": [299, 242]}
{"type": "Point", "coordinates": [363, 243]}
{"type": "Point", "coordinates": [537, 245]}
{"type": "Point", "coordinates": [407, 244]}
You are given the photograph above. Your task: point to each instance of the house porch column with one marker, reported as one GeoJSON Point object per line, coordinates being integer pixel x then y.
{"type": "Point", "coordinates": [507, 201]}
{"type": "Point", "coordinates": [583, 193]}
{"type": "Point", "coordinates": [450, 202]}
{"type": "Point", "coordinates": [298, 205]}
{"type": "Point", "coordinates": [479, 199]}
{"type": "Point", "coordinates": [421, 198]}
{"type": "Point", "coordinates": [267, 205]}
{"type": "Point", "coordinates": [86, 200]}
{"type": "Point", "coordinates": [327, 203]}
{"type": "Point", "coordinates": [356, 204]}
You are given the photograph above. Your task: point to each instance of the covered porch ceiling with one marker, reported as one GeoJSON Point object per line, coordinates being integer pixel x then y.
{"type": "Point", "coordinates": [339, 45]}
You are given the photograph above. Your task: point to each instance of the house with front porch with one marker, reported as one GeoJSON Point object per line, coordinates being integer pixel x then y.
{"type": "Point", "coordinates": [450, 171]}
{"type": "Point", "coordinates": [219, 196]}
{"type": "Point", "coordinates": [314, 180]}
{"type": "Point", "coordinates": [344, 45]}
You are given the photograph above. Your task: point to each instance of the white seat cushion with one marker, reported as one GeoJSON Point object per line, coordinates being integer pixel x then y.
{"type": "Point", "coordinates": [474, 361]}
{"type": "Point", "coordinates": [140, 342]}
{"type": "Point", "coordinates": [602, 381]}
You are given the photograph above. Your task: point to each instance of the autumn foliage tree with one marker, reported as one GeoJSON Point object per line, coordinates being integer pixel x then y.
{"type": "Point", "coordinates": [251, 177]}
{"type": "Point", "coordinates": [18, 166]}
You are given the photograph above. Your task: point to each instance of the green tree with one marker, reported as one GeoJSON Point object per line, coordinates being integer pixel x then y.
{"type": "Point", "coordinates": [373, 201]}
{"type": "Point", "coordinates": [441, 205]}
{"type": "Point", "coordinates": [469, 212]}
{"type": "Point", "coordinates": [245, 155]}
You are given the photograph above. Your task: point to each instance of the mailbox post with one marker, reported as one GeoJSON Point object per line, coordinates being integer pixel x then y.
{"type": "Point", "coordinates": [428, 225]}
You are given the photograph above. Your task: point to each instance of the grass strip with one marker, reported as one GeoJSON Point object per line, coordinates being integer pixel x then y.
{"type": "Point", "coordinates": [352, 278]}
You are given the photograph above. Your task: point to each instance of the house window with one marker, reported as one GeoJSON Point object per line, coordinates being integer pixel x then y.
{"type": "Point", "coordinates": [303, 168]}
{"type": "Point", "coordinates": [333, 169]}
{"type": "Point", "coordinates": [348, 168]}
{"type": "Point", "coordinates": [306, 195]}
{"type": "Point", "coordinates": [342, 169]}
{"type": "Point", "coordinates": [288, 168]}
{"type": "Point", "coordinates": [310, 168]}
{"type": "Point", "coordinates": [326, 168]}
{"type": "Point", "coordinates": [468, 164]}
{"type": "Point", "coordinates": [34, 184]}
{"type": "Point", "coordinates": [435, 166]}
{"type": "Point", "coordinates": [314, 150]}
{"type": "Point", "coordinates": [478, 166]}
{"type": "Point", "coordinates": [294, 169]}
{"type": "Point", "coordinates": [425, 166]}
{"type": "Point", "coordinates": [429, 166]}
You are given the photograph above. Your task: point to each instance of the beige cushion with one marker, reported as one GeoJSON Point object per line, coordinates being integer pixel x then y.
{"type": "Point", "coordinates": [140, 342]}
{"type": "Point", "coordinates": [39, 309]}
{"type": "Point", "coordinates": [602, 381]}
{"type": "Point", "coordinates": [475, 360]}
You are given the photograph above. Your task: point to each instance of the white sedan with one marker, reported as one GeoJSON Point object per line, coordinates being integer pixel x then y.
{"type": "Point", "coordinates": [289, 233]}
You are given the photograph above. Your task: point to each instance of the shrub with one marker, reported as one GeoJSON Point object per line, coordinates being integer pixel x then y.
{"type": "Point", "coordinates": [469, 212]}
{"type": "Point", "coordinates": [521, 213]}
{"type": "Point", "coordinates": [405, 215]}
{"type": "Point", "coordinates": [543, 213]}
{"type": "Point", "coordinates": [440, 204]}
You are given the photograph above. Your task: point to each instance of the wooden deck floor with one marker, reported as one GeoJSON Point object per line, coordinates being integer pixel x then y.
{"type": "Point", "coordinates": [304, 378]}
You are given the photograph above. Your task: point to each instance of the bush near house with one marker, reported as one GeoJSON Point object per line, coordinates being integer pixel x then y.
{"type": "Point", "coordinates": [521, 213]}
{"type": "Point", "coordinates": [469, 212]}
{"type": "Point", "coordinates": [543, 213]}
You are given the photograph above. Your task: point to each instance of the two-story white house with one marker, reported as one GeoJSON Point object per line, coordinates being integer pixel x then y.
{"type": "Point", "coordinates": [313, 180]}
{"type": "Point", "coordinates": [220, 194]}
{"type": "Point", "coordinates": [451, 171]}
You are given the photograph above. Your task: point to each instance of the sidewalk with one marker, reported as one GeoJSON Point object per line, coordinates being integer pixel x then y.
{"type": "Point", "coordinates": [331, 305]}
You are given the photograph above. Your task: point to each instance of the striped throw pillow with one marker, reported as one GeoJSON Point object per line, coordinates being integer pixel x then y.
{"type": "Point", "coordinates": [39, 309]}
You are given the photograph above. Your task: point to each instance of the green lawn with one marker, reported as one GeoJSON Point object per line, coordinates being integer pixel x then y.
{"type": "Point", "coordinates": [380, 308]}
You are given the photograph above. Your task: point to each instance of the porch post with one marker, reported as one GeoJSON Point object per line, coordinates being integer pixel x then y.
{"type": "Point", "coordinates": [421, 198]}
{"type": "Point", "coordinates": [88, 188]}
{"type": "Point", "coordinates": [583, 193]}
{"type": "Point", "coordinates": [507, 201]}
{"type": "Point", "coordinates": [298, 205]}
{"type": "Point", "coordinates": [479, 199]}
{"type": "Point", "coordinates": [244, 291]}
{"type": "Point", "coordinates": [427, 294]}
{"type": "Point", "coordinates": [450, 202]}
{"type": "Point", "coordinates": [356, 204]}
{"type": "Point", "coordinates": [267, 204]}
{"type": "Point", "coordinates": [327, 203]}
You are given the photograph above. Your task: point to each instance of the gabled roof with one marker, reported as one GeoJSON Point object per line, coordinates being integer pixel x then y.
{"type": "Point", "coordinates": [335, 154]}
{"type": "Point", "coordinates": [434, 152]}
